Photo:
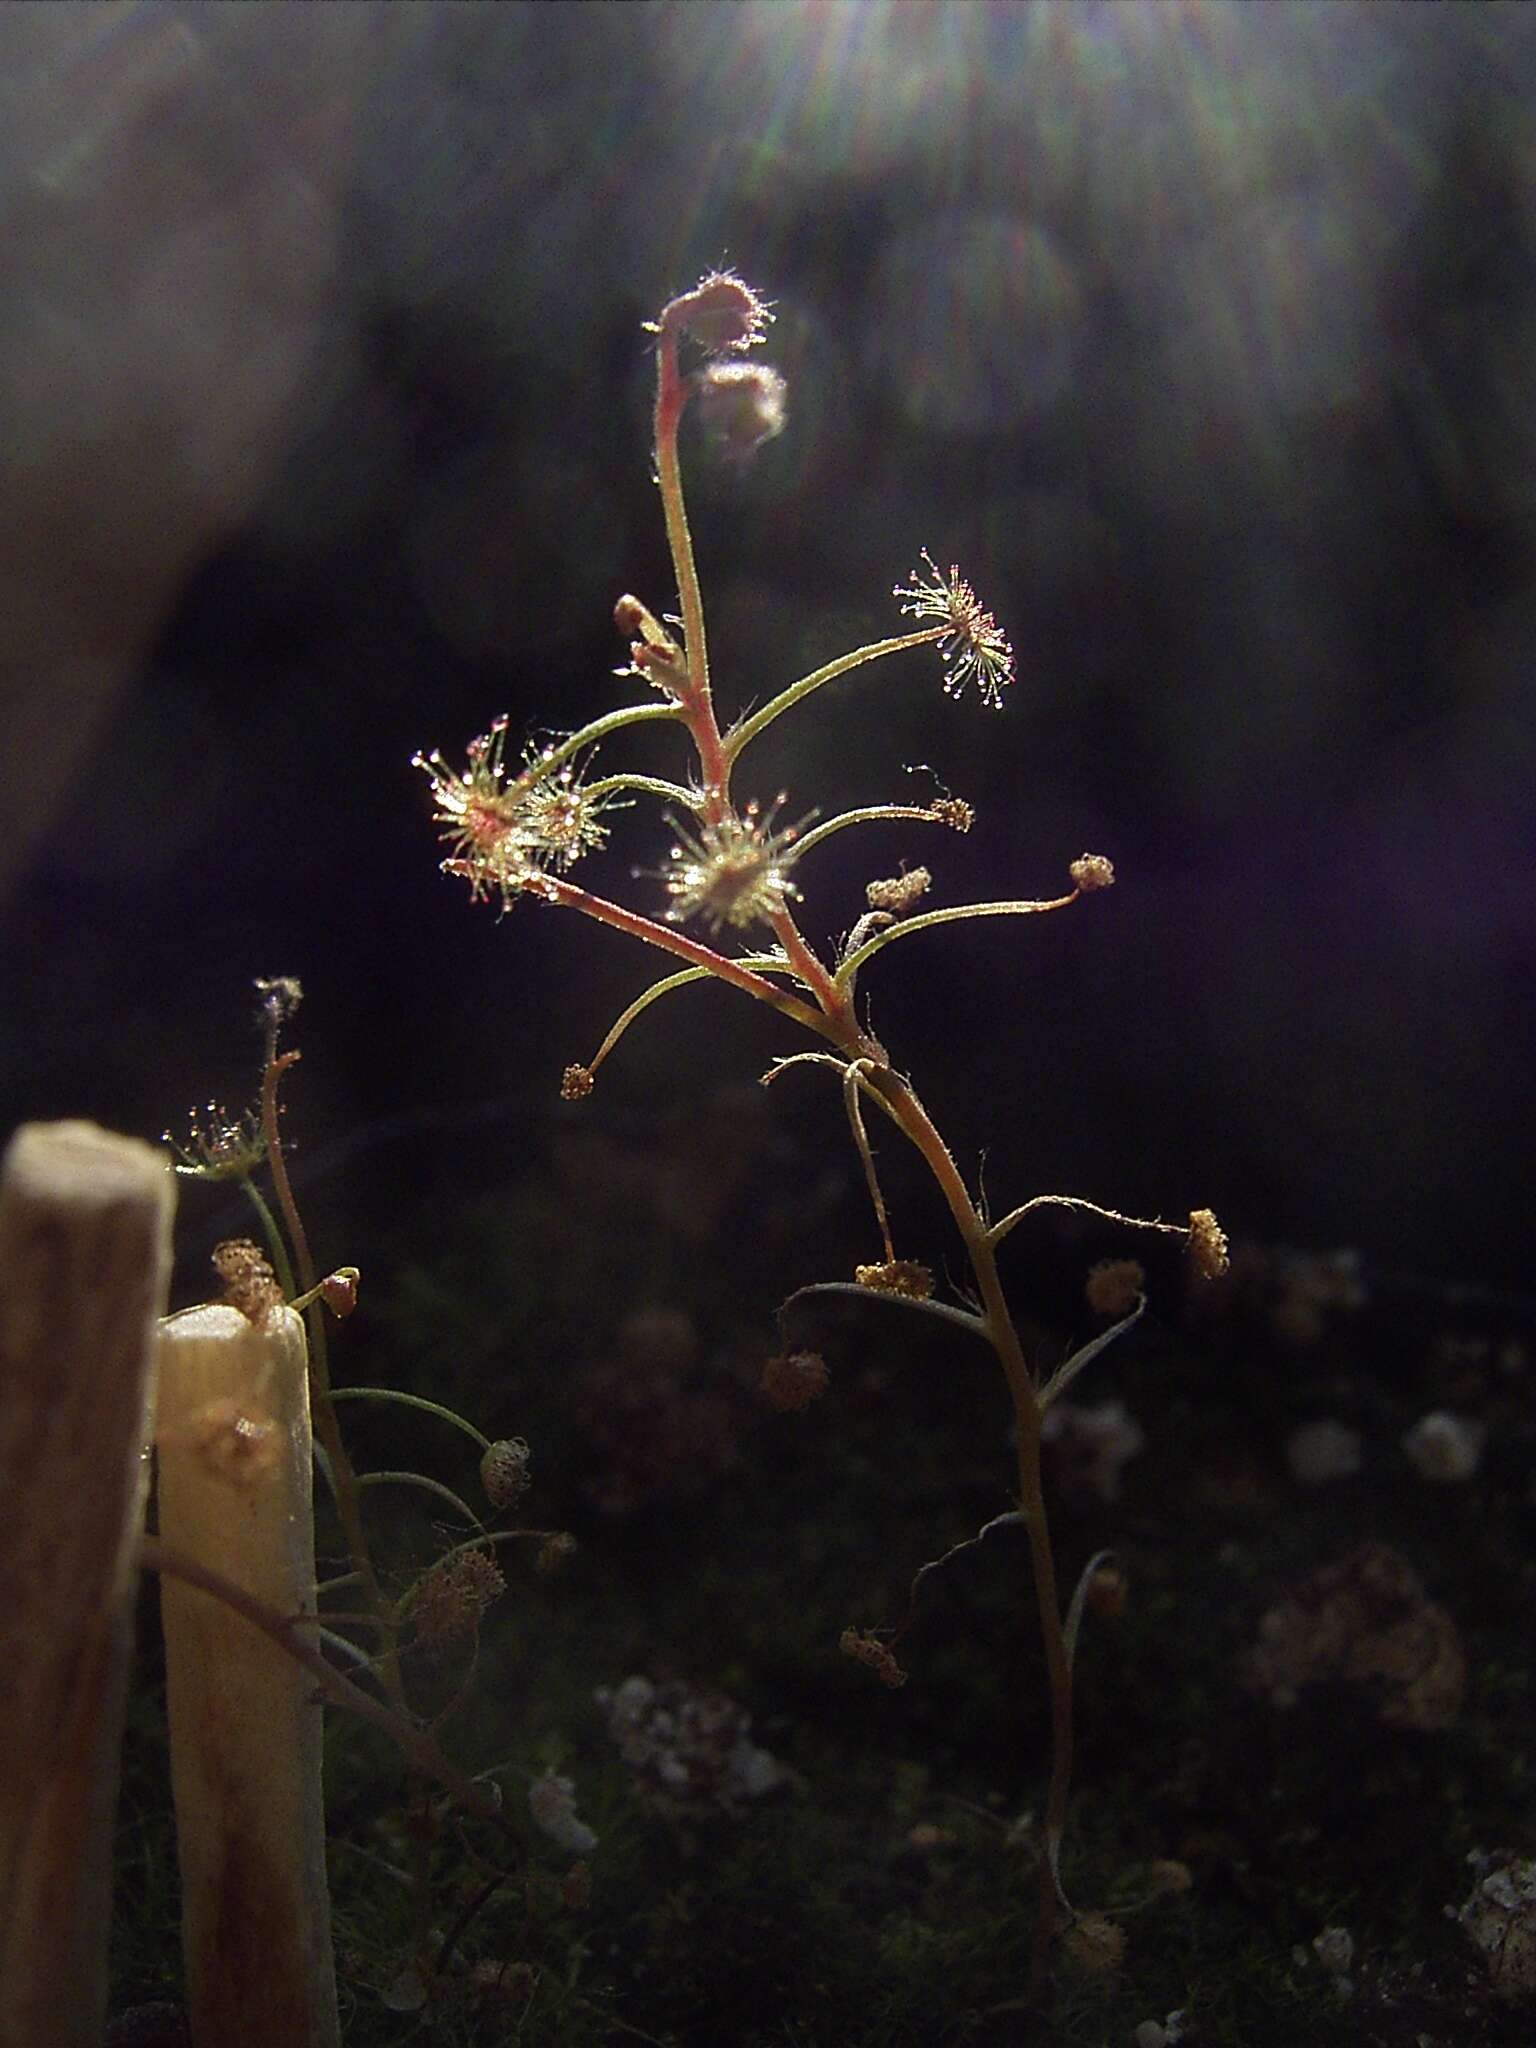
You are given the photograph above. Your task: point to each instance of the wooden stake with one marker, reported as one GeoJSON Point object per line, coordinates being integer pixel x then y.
{"type": "Point", "coordinates": [235, 1493]}
{"type": "Point", "coordinates": [84, 1259]}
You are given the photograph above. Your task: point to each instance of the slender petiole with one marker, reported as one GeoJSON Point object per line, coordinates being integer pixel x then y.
{"type": "Point", "coordinates": [759, 963]}
{"type": "Point", "coordinates": [853, 1075]}
{"type": "Point", "coordinates": [740, 736]}
{"type": "Point", "coordinates": [927, 918]}
{"type": "Point", "coordinates": [589, 735]}
{"type": "Point", "coordinates": [869, 814]}
{"type": "Point", "coordinates": [404, 1400]}
{"type": "Point", "coordinates": [1000, 1229]}
{"type": "Point", "coordinates": [427, 1485]}
{"type": "Point", "coordinates": [648, 785]}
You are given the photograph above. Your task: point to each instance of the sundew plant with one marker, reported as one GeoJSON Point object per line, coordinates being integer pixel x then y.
{"type": "Point", "coordinates": [730, 889]}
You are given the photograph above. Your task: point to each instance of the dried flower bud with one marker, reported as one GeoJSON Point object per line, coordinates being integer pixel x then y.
{"type": "Point", "coordinates": [794, 1381]}
{"type": "Point", "coordinates": [897, 1276]}
{"type": "Point", "coordinates": [576, 1083]}
{"type": "Point", "coordinates": [247, 1279]}
{"type": "Point", "coordinates": [1095, 1945]}
{"type": "Point", "coordinates": [899, 894]}
{"type": "Point", "coordinates": [1107, 1593]}
{"type": "Point", "coordinates": [722, 312]}
{"type": "Point", "coordinates": [952, 811]}
{"type": "Point", "coordinates": [504, 1471]}
{"type": "Point", "coordinates": [338, 1291]}
{"type": "Point", "coordinates": [1207, 1245]}
{"type": "Point", "coordinates": [741, 405]}
{"type": "Point", "coordinates": [1115, 1286]}
{"type": "Point", "coordinates": [452, 1596]}
{"type": "Point", "coordinates": [1169, 1875]}
{"type": "Point", "coordinates": [638, 623]}
{"type": "Point", "coordinates": [865, 1647]}
{"type": "Point", "coordinates": [1091, 871]}
{"type": "Point", "coordinates": [634, 619]}
{"type": "Point", "coordinates": [575, 1888]}
{"type": "Point", "coordinates": [555, 1552]}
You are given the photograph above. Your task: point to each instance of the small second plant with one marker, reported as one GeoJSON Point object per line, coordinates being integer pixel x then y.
{"type": "Point", "coordinates": [728, 891]}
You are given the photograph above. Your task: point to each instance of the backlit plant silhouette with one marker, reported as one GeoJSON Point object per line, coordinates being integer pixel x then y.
{"type": "Point", "coordinates": [517, 828]}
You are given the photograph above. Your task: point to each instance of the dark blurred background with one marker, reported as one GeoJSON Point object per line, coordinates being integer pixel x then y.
{"type": "Point", "coordinates": [1201, 336]}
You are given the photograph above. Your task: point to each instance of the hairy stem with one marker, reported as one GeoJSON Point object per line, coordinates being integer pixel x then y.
{"type": "Point", "coordinates": [957, 913]}
{"type": "Point", "coordinates": [698, 708]}
{"type": "Point", "coordinates": [741, 736]}
{"type": "Point", "coordinates": [555, 889]}
{"type": "Point", "coordinates": [323, 1412]}
{"type": "Point", "coordinates": [903, 1105]}
{"type": "Point", "coordinates": [867, 814]}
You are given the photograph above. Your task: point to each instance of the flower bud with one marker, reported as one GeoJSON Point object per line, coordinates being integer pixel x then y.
{"type": "Point", "coordinates": [795, 1381]}
{"type": "Point", "coordinates": [741, 405]}
{"type": "Point", "coordinates": [504, 1471]}
{"type": "Point", "coordinates": [721, 312]}
{"type": "Point", "coordinates": [1091, 871]}
{"type": "Point", "coordinates": [897, 1276]}
{"type": "Point", "coordinates": [339, 1291]}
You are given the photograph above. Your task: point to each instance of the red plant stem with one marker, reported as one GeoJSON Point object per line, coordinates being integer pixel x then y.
{"type": "Point", "coordinates": [1003, 1334]}
{"type": "Point", "coordinates": [555, 889]}
{"type": "Point", "coordinates": [836, 1004]}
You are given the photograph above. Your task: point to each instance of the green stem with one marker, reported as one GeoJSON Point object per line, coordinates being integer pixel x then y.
{"type": "Point", "coordinates": [927, 918]}
{"type": "Point", "coordinates": [599, 729]}
{"type": "Point", "coordinates": [280, 1261]}
{"type": "Point", "coordinates": [697, 708]}
{"type": "Point", "coordinates": [412, 1401]}
{"type": "Point", "coordinates": [743, 734]}
{"type": "Point", "coordinates": [426, 1485]}
{"type": "Point", "coordinates": [902, 1103]}
{"type": "Point", "coordinates": [761, 963]}
{"type": "Point", "coordinates": [869, 814]}
{"type": "Point", "coordinates": [648, 785]}
{"type": "Point", "coordinates": [671, 397]}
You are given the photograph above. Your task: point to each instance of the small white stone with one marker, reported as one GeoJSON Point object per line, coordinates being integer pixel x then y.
{"type": "Point", "coordinates": [1150, 2035]}
{"type": "Point", "coordinates": [1443, 1447]}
